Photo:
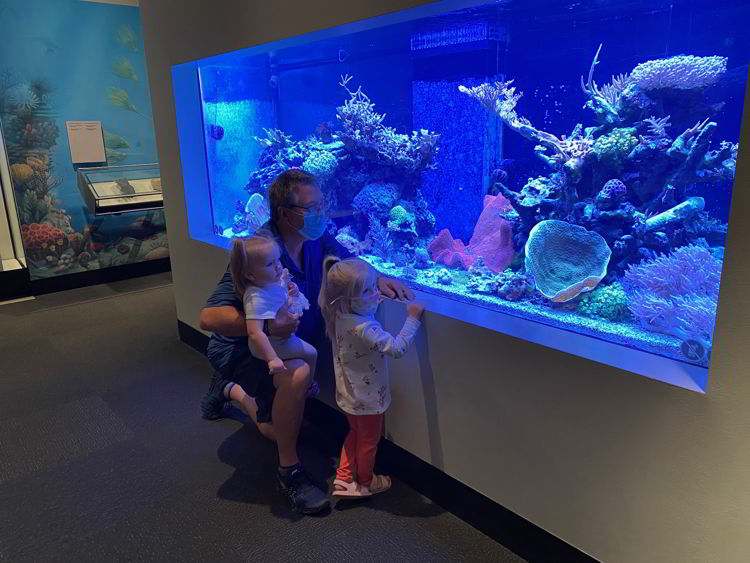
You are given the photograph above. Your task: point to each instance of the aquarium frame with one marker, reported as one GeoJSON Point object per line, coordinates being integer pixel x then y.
{"type": "Point", "coordinates": [193, 158]}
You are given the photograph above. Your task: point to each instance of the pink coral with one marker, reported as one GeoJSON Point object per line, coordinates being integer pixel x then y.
{"type": "Point", "coordinates": [492, 240]}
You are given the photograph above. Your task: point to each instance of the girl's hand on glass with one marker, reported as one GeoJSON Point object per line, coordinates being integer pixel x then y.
{"type": "Point", "coordinates": [394, 289]}
{"type": "Point", "coordinates": [415, 310]}
{"type": "Point", "coordinates": [293, 289]}
{"type": "Point", "coordinates": [276, 366]}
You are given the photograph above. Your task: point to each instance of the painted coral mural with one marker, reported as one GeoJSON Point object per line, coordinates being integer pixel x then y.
{"type": "Point", "coordinates": [61, 61]}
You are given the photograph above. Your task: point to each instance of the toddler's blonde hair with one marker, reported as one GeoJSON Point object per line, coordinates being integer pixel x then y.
{"type": "Point", "coordinates": [342, 280]}
{"type": "Point", "coordinates": [244, 254]}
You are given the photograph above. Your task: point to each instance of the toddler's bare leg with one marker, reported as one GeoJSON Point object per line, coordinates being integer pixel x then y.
{"type": "Point", "coordinates": [247, 404]}
{"type": "Point", "coordinates": [288, 407]}
{"type": "Point", "coordinates": [294, 347]}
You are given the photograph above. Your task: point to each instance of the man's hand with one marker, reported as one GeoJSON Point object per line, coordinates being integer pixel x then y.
{"type": "Point", "coordinates": [394, 289]}
{"type": "Point", "coordinates": [276, 366]}
{"type": "Point", "coordinates": [284, 325]}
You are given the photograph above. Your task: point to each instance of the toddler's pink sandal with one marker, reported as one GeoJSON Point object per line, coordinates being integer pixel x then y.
{"type": "Point", "coordinates": [379, 484]}
{"type": "Point", "coordinates": [353, 489]}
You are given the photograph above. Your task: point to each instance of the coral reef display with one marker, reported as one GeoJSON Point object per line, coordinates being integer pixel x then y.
{"type": "Point", "coordinates": [600, 237]}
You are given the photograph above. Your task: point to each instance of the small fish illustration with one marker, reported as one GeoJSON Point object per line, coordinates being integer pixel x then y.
{"type": "Point", "coordinates": [119, 98]}
{"type": "Point", "coordinates": [112, 141]}
{"type": "Point", "coordinates": [126, 38]}
{"type": "Point", "coordinates": [49, 45]}
{"type": "Point", "coordinates": [123, 68]}
{"type": "Point", "coordinates": [113, 156]}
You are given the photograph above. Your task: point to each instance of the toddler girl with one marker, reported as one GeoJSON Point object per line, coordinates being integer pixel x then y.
{"type": "Point", "coordinates": [348, 300]}
{"type": "Point", "coordinates": [265, 288]}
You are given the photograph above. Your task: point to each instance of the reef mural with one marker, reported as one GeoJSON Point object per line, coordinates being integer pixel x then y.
{"type": "Point", "coordinates": [42, 85]}
{"type": "Point", "coordinates": [621, 236]}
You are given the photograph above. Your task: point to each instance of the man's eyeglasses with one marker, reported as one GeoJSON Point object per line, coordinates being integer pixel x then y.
{"type": "Point", "coordinates": [319, 207]}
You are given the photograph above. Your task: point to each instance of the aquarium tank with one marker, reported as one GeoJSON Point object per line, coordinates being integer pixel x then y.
{"type": "Point", "coordinates": [566, 163]}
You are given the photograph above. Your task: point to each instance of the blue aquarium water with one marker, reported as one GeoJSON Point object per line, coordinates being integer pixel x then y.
{"type": "Point", "coordinates": [570, 163]}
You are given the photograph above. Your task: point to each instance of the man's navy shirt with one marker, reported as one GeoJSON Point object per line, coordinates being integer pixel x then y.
{"type": "Point", "coordinates": [222, 350]}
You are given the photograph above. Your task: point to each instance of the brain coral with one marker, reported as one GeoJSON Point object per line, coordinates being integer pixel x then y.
{"type": "Point", "coordinates": [565, 259]}
{"type": "Point", "coordinates": [683, 72]}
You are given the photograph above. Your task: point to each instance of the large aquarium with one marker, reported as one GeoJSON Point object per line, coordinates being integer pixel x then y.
{"type": "Point", "coordinates": [564, 163]}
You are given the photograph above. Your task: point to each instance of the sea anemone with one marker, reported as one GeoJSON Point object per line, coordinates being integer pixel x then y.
{"type": "Point", "coordinates": [23, 97]}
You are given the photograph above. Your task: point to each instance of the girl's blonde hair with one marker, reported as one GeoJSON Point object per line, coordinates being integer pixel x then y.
{"type": "Point", "coordinates": [244, 254]}
{"type": "Point", "coordinates": [342, 280]}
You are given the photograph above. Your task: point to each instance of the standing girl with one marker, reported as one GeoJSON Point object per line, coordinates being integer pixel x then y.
{"type": "Point", "coordinates": [348, 300]}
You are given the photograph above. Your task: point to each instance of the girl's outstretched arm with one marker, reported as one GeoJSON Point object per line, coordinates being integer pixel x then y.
{"type": "Point", "coordinates": [379, 340]}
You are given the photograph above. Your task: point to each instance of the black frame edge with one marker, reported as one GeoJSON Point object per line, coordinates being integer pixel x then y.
{"type": "Point", "coordinates": [14, 284]}
{"type": "Point", "coordinates": [102, 275]}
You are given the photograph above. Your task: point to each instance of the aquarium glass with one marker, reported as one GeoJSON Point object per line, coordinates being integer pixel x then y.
{"type": "Point", "coordinates": [569, 163]}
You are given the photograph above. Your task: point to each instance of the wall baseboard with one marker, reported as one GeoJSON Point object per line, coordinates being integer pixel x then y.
{"type": "Point", "coordinates": [14, 284]}
{"type": "Point", "coordinates": [514, 532]}
{"type": "Point", "coordinates": [103, 275]}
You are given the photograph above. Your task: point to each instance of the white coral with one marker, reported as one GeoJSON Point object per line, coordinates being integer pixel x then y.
{"type": "Point", "coordinates": [683, 72]}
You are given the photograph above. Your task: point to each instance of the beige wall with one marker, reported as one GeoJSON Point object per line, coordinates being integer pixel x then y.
{"type": "Point", "coordinates": [622, 467]}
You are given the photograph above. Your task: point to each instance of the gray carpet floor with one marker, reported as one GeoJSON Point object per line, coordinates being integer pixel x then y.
{"type": "Point", "coordinates": [103, 454]}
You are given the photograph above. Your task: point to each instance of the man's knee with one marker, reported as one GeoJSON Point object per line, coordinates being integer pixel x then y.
{"type": "Point", "coordinates": [296, 376]}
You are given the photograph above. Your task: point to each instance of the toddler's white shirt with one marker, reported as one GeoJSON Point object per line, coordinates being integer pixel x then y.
{"type": "Point", "coordinates": [264, 302]}
{"type": "Point", "coordinates": [362, 385]}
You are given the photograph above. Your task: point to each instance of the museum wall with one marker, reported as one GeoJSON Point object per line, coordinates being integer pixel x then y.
{"type": "Point", "coordinates": [622, 467]}
{"type": "Point", "coordinates": [63, 60]}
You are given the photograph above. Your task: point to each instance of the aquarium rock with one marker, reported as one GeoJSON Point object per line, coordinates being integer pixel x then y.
{"type": "Point", "coordinates": [421, 259]}
{"type": "Point", "coordinates": [565, 259]}
{"type": "Point", "coordinates": [377, 199]}
{"type": "Point", "coordinates": [444, 277]}
{"type": "Point", "coordinates": [674, 216]}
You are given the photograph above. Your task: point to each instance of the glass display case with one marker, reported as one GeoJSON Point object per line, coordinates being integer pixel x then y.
{"type": "Point", "coordinates": [530, 164]}
{"type": "Point", "coordinates": [118, 189]}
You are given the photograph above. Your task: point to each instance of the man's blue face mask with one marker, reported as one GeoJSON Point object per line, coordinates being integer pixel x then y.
{"type": "Point", "coordinates": [314, 223]}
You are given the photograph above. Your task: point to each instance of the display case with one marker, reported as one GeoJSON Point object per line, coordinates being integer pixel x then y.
{"type": "Point", "coordinates": [118, 189]}
{"type": "Point", "coordinates": [526, 166]}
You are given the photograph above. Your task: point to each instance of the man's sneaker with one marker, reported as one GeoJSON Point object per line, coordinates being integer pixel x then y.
{"type": "Point", "coordinates": [302, 493]}
{"type": "Point", "coordinates": [214, 403]}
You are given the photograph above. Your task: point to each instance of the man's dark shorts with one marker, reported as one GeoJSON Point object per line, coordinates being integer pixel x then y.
{"type": "Point", "coordinates": [254, 377]}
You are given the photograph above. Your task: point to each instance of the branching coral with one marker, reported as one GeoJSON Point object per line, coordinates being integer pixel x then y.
{"type": "Point", "coordinates": [604, 101]}
{"type": "Point", "coordinates": [364, 134]}
{"type": "Point", "coordinates": [501, 98]}
{"type": "Point", "coordinates": [657, 127]}
{"type": "Point", "coordinates": [274, 138]}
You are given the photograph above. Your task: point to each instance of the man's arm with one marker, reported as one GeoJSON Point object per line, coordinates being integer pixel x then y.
{"type": "Point", "coordinates": [226, 320]}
